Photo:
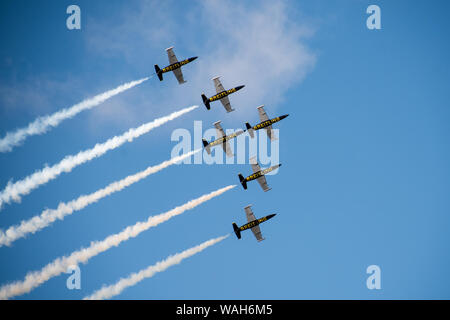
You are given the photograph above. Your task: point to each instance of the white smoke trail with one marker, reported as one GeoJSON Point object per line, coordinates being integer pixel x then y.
{"type": "Point", "coordinates": [108, 292]}
{"type": "Point", "coordinates": [48, 216]}
{"type": "Point", "coordinates": [35, 278]}
{"type": "Point", "coordinates": [43, 124]}
{"type": "Point", "coordinates": [15, 191]}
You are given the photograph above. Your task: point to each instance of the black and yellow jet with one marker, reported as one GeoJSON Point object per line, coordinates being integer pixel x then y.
{"type": "Point", "coordinates": [174, 66]}
{"type": "Point", "coordinates": [222, 139]}
{"type": "Point", "coordinates": [252, 223]}
{"type": "Point", "coordinates": [258, 174]}
{"type": "Point", "coordinates": [265, 123]}
{"type": "Point", "coordinates": [221, 94]}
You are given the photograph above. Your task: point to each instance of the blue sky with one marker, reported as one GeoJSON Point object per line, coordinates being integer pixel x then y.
{"type": "Point", "coordinates": [365, 150]}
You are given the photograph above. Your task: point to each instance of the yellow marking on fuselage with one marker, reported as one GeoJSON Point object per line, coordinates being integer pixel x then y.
{"type": "Point", "coordinates": [222, 94]}
{"type": "Point", "coordinates": [218, 141]}
{"type": "Point", "coordinates": [225, 138]}
{"type": "Point", "coordinates": [254, 176]}
{"type": "Point", "coordinates": [262, 219]}
{"type": "Point", "coordinates": [175, 65]}
{"type": "Point", "coordinates": [260, 173]}
{"type": "Point", "coordinates": [268, 170]}
{"type": "Point", "coordinates": [249, 225]}
{"type": "Point", "coordinates": [266, 123]}
{"type": "Point", "coordinates": [235, 134]}
{"type": "Point", "coordinates": [253, 223]}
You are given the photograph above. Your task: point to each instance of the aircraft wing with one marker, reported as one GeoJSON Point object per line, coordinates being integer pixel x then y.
{"type": "Point", "coordinates": [227, 149]}
{"type": "Point", "coordinates": [171, 55]}
{"type": "Point", "coordinates": [270, 133]}
{"type": "Point", "coordinates": [172, 59]}
{"type": "Point", "coordinates": [255, 165]}
{"type": "Point", "coordinates": [179, 75]}
{"type": "Point", "coordinates": [226, 104]}
{"type": "Point", "coordinates": [219, 129]}
{"type": "Point", "coordinates": [263, 183]}
{"type": "Point", "coordinates": [257, 232]}
{"type": "Point", "coordinates": [220, 133]}
{"type": "Point", "coordinates": [249, 213]}
{"type": "Point", "coordinates": [262, 114]}
{"type": "Point", "coordinates": [218, 85]}
{"type": "Point", "coordinates": [251, 217]}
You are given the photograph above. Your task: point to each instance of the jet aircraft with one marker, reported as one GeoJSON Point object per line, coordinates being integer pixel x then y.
{"type": "Point", "coordinates": [175, 66]}
{"type": "Point", "coordinates": [221, 94]}
{"type": "Point", "coordinates": [258, 174]}
{"type": "Point", "coordinates": [265, 123]}
{"type": "Point", "coordinates": [222, 140]}
{"type": "Point", "coordinates": [252, 223]}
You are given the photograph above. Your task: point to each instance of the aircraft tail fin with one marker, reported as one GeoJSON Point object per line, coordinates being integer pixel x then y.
{"type": "Point", "coordinates": [236, 230]}
{"type": "Point", "coordinates": [250, 130]}
{"type": "Point", "coordinates": [243, 182]}
{"type": "Point", "coordinates": [206, 145]}
{"type": "Point", "coordinates": [206, 101]}
{"type": "Point", "coordinates": [159, 72]}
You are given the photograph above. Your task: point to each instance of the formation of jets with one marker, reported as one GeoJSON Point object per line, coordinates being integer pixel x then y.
{"type": "Point", "coordinates": [223, 140]}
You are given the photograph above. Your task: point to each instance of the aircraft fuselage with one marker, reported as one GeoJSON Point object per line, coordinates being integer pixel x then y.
{"type": "Point", "coordinates": [269, 122]}
{"type": "Point", "coordinates": [224, 93]}
{"type": "Point", "coordinates": [177, 65]}
{"type": "Point", "coordinates": [224, 139]}
{"type": "Point", "coordinates": [256, 222]}
{"type": "Point", "coordinates": [260, 173]}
